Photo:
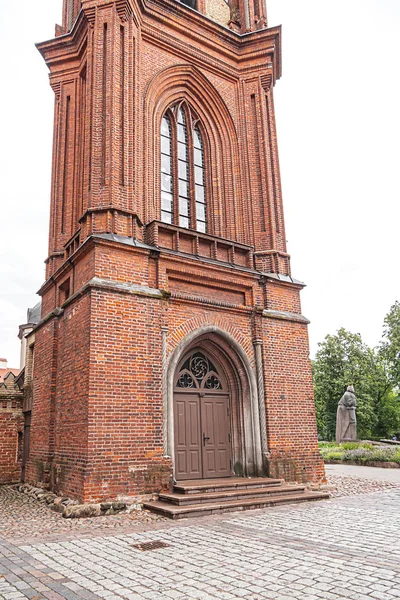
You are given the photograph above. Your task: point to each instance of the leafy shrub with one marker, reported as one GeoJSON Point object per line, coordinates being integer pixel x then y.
{"type": "Point", "coordinates": [333, 455]}
{"type": "Point", "coordinates": [354, 445]}
{"type": "Point", "coordinates": [360, 452]}
{"type": "Point", "coordinates": [326, 445]}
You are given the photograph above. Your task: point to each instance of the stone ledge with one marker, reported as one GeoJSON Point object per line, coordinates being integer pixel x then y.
{"type": "Point", "coordinates": [285, 316]}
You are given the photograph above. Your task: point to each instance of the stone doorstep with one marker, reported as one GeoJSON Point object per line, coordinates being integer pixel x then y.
{"type": "Point", "coordinates": [209, 496]}
{"type": "Point", "coordinates": [224, 484]}
{"type": "Point", "coordinates": [236, 494]}
{"type": "Point", "coordinates": [195, 510]}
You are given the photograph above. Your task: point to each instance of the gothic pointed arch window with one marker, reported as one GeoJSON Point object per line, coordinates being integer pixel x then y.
{"type": "Point", "coordinates": [183, 181]}
{"type": "Point", "coordinates": [199, 372]}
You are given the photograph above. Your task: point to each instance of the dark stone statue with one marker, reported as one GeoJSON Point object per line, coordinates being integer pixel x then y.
{"type": "Point", "coordinates": [346, 423]}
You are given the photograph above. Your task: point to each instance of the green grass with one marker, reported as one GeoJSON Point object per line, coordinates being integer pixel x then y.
{"type": "Point", "coordinates": [360, 452]}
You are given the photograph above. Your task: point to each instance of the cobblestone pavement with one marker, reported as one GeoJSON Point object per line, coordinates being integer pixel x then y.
{"type": "Point", "coordinates": [23, 518]}
{"type": "Point", "coordinates": [347, 547]}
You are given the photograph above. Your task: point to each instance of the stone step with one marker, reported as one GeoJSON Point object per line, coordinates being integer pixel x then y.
{"type": "Point", "coordinates": [222, 484]}
{"type": "Point", "coordinates": [196, 510]}
{"type": "Point", "coordinates": [235, 494]}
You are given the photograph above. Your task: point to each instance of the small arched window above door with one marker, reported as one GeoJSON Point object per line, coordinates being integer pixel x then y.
{"type": "Point", "coordinates": [183, 186]}
{"type": "Point", "coordinates": [198, 372]}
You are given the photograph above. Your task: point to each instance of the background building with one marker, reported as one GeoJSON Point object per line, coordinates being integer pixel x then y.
{"type": "Point", "coordinates": [11, 424]}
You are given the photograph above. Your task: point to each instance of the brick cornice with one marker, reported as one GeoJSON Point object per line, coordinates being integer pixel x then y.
{"type": "Point", "coordinates": [234, 48]}
{"type": "Point", "coordinates": [65, 47]}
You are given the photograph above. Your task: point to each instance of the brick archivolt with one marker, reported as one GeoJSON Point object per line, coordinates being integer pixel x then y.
{"type": "Point", "coordinates": [196, 325]}
{"type": "Point", "coordinates": [187, 82]}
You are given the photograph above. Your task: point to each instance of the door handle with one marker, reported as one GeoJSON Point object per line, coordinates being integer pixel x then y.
{"type": "Point", "coordinates": [205, 439]}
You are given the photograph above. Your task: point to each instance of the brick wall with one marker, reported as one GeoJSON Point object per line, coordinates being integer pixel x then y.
{"type": "Point", "coordinates": [101, 429]}
{"type": "Point", "coordinates": [11, 424]}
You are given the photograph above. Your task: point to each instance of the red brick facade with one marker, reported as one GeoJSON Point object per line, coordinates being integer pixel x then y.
{"type": "Point", "coordinates": [126, 295]}
{"type": "Point", "coordinates": [11, 430]}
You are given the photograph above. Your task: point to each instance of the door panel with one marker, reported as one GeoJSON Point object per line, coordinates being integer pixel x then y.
{"type": "Point", "coordinates": [187, 437]}
{"type": "Point", "coordinates": [216, 426]}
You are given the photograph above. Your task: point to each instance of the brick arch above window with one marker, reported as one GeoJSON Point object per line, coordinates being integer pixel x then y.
{"type": "Point", "coordinates": [183, 168]}
{"type": "Point", "coordinates": [226, 207]}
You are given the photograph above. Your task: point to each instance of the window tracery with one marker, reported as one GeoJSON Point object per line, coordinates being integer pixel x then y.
{"type": "Point", "coordinates": [199, 372]}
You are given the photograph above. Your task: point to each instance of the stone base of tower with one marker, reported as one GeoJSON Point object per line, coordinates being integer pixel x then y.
{"type": "Point", "coordinates": [112, 393]}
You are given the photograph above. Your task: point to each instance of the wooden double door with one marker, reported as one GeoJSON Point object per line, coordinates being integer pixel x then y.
{"type": "Point", "coordinates": [201, 421]}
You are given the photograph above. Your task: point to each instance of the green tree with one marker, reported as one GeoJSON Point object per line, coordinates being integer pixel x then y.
{"type": "Point", "coordinates": [341, 360]}
{"type": "Point", "coordinates": [390, 346]}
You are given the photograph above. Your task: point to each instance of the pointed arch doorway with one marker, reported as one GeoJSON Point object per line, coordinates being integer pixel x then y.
{"type": "Point", "coordinates": [202, 419]}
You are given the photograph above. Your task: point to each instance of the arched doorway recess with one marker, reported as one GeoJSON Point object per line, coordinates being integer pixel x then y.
{"type": "Point", "coordinates": [202, 424]}
{"type": "Point", "coordinates": [212, 393]}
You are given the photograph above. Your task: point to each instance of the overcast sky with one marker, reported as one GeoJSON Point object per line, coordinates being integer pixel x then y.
{"type": "Point", "coordinates": [338, 118]}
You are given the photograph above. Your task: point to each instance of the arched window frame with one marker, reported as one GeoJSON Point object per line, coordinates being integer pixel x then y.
{"type": "Point", "coordinates": [196, 221]}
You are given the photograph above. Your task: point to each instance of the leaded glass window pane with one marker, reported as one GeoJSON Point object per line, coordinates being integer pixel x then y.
{"type": "Point", "coordinates": [184, 222]}
{"type": "Point", "coordinates": [165, 145]}
{"type": "Point", "coordinates": [198, 159]}
{"type": "Point", "coordinates": [166, 164]}
{"type": "Point", "coordinates": [198, 175]}
{"type": "Point", "coordinates": [166, 201]}
{"type": "Point", "coordinates": [182, 133]}
{"type": "Point", "coordinates": [200, 212]}
{"type": "Point", "coordinates": [166, 183]}
{"type": "Point", "coordinates": [166, 171]}
{"type": "Point", "coordinates": [166, 217]}
{"type": "Point", "coordinates": [165, 128]}
{"type": "Point", "coordinates": [182, 151]}
{"type": "Point", "coordinates": [183, 189]}
{"type": "Point", "coordinates": [200, 193]}
{"type": "Point", "coordinates": [181, 117]}
{"type": "Point", "coordinates": [197, 143]}
{"type": "Point", "coordinates": [183, 207]}
{"type": "Point", "coordinates": [183, 170]}
{"type": "Point", "coordinates": [191, 3]}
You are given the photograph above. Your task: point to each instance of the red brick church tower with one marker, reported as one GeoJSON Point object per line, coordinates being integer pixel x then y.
{"type": "Point", "coordinates": [172, 344]}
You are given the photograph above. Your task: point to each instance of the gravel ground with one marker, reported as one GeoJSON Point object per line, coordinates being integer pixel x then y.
{"type": "Point", "coordinates": [350, 486]}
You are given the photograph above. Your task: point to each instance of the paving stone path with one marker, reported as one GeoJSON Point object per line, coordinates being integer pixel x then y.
{"type": "Point", "coordinates": [347, 547]}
